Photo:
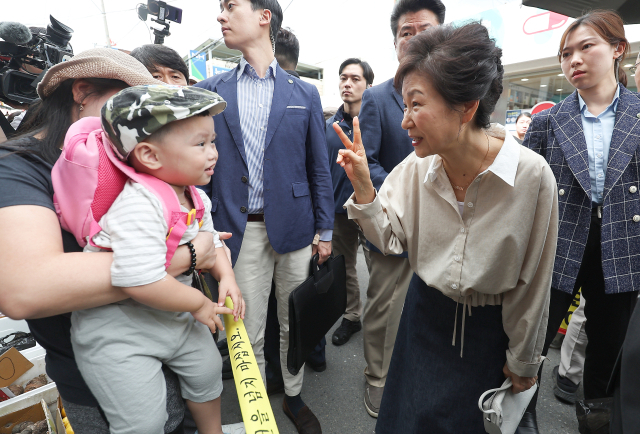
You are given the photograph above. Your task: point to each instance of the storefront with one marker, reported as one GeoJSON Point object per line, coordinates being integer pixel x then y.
{"type": "Point", "coordinates": [523, 91]}
{"type": "Point", "coordinates": [529, 38]}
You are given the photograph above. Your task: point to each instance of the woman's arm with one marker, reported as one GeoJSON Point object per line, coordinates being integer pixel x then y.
{"type": "Point", "coordinates": [37, 279]}
{"type": "Point", "coordinates": [525, 309]}
{"type": "Point", "coordinates": [377, 220]}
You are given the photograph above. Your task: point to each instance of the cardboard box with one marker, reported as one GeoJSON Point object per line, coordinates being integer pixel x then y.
{"type": "Point", "coordinates": [49, 392]}
{"type": "Point", "coordinates": [12, 366]}
{"type": "Point", "coordinates": [34, 413]}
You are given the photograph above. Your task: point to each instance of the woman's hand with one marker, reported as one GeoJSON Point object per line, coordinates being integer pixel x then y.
{"type": "Point", "coordinates": [520, 384]}
{"type": "Point", "coordinates": [353, 160]}
{"type": "Point", "coordinates": [205, 250]}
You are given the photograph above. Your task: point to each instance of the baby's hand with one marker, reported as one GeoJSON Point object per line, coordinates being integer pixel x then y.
{"type": "Point", "coordinates": [208, 315]}
{"type": "Point", "coordinates": [229, 287]}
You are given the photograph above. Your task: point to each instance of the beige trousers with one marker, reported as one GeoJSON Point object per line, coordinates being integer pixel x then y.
{"type": "Point", "coordinates": [574, 346]}
{"type": "Point", "coordinates": [257, 265]}
{"type": "Point", "coordinates": [389, 278]}
{"type": "Point", "coordinates": [346, 239]}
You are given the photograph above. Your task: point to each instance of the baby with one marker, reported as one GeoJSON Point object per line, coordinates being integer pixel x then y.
{"type": "Point", "coordinates": [166, 132]}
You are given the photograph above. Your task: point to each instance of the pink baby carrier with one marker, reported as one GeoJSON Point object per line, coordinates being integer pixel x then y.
{"type": "Point", "coordinates": [88, 177]}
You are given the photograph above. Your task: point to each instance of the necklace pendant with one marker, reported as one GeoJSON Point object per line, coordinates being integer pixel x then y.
{"type": "Point", "coordinates": [457, 187]}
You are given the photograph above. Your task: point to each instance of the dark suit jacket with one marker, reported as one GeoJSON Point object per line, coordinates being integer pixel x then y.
{"type": "Point", "coordinates": [342, 188]}
{"type": "Point", "coordinates": [298, 198]}
{"type": "Point", "coordinates": [557, 134]}
{"type": "Point", "coordinates": [384, 140]}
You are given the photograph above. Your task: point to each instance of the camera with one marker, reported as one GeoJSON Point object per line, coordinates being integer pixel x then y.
{"type": "Point", "coordinates": [164, 12]}
{"type": "Point", "coordinates": [23, 63]}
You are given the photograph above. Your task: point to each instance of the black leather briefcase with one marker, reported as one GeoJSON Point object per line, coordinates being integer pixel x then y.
{"type": "Point", "coordinates": [314, 307]}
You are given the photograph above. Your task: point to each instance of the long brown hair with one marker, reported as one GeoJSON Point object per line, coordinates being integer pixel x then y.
{"type": "Point", "coordinates": [610, 27]}
{"type": "Point", "coordinates": [53, 117]}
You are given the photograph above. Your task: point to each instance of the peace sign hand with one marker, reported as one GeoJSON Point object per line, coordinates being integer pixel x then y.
{"type": "Point", "coordinates": [353, 160]}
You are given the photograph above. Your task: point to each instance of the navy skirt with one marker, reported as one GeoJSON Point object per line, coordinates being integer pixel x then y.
{"type": "Point", "coordinates": [430, 388]}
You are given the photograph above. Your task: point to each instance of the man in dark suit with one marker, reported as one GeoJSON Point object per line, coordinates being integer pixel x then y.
{"type": "Point", "coordinates": [356, 76]}
{"type": "Point", "coordinates": [272, 187]}
{"type": "Point", "coordinates": [387, 144]}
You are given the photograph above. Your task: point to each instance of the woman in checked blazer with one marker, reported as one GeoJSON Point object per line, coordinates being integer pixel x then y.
{"type": "Point", "coordinates": [591, 141]}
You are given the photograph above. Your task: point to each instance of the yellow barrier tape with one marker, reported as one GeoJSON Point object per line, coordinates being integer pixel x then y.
{"type": "Point", "coordinates": [574, 305]}
{"type": "Point", "coordinates": [257, 414]}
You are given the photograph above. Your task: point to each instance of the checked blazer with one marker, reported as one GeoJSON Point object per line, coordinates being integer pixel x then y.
{"type": "Point", "coordinates": [557, 134]}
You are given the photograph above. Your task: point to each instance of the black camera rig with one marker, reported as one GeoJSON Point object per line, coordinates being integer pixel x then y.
{"type": "Point", "coordinates": [164, 13]}
{"type": "Point", "coordinates": [44, 50]}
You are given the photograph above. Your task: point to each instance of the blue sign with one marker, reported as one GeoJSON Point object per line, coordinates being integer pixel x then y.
{"type": "Point", "coordinates": [198, 65]}
{"type": "Point", "coordinates": [215, 70]}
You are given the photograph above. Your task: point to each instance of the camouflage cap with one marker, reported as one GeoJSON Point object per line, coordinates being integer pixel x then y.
{"type": "Point", "coordinates": [135, 113]}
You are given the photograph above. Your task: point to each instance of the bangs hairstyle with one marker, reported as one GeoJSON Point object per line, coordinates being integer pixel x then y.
{"type": "Point", "coordinates": [609, 26]}
{"type": "Point", "coordinates": [153, 56]}
{"type": "Point", "coordinates": [462, 63]}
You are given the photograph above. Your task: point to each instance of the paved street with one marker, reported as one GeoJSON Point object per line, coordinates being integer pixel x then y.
{"type": "Point", "coordinates": [336, 395]}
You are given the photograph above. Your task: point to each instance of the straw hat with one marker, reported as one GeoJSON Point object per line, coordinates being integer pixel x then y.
{"type": "Point", "coordinates": [96, 63]}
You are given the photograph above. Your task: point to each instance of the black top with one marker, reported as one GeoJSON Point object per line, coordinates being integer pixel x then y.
{"type": "Point", "coordinates": [26, 180]}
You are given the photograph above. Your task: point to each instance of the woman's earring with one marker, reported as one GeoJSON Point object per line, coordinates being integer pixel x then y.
{"type": "Point", "coordinates": [81, 107]}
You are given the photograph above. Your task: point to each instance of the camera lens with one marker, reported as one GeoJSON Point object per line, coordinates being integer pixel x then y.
{"type": "Point", "coordinates": [154, 8]}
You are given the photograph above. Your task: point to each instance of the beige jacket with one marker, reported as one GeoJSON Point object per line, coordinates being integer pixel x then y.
{"type": "Point", "coordinates": [499, 251]}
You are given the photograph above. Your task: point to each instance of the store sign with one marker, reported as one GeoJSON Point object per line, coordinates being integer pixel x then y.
{"type": "Point", "coordinates": [512, 116]}
{"type": "Point", "coordinates": [544, 105]}
{"type": "Point", "coordinates": [525, 33]}
{"type": "Point", "coordinates": [544, 22]}
{"type": "Point", "coordinates": [197, 65]}
{"type": "Point", "coordinates": [215, 70]}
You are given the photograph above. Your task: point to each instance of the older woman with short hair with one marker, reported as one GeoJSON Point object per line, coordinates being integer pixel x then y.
{"type": "Point", "coordinates": [477, 214]}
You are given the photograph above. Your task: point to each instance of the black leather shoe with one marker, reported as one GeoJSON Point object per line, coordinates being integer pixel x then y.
{"type": "Point", "coordinates": [343, 333]}
{"type": "Point", "coordinates": [227, 372]}
{"type": "Point", "coordinates": [223, 347]}
{"type": "Point", "coordinates": [528, 424]}
{"type": "Point", "coordinates": [563, 388]}
{"type": "Point", "coordinates": [318, 367]}
{"type": "Point", "coordinates": [306, 422]}
{"type": "Point", "coordinates": [274, 387]}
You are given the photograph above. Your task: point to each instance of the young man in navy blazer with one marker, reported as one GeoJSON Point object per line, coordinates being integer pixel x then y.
{"type": "Point", "coordinates": [272, 189]}
{"type": "Point", "coordinates": [387, 145]}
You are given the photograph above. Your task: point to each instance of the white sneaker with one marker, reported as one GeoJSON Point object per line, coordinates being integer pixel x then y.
{"type": "Point", "coordinates": [236, 428]}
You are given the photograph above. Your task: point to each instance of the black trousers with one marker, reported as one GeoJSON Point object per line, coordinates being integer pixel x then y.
{"type": "Point", "coordinates": [607, 316]}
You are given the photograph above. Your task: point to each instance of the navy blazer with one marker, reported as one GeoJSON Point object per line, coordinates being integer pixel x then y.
{"type": "Point", "coordinates": [298, 198]}
{"type": "Point", "coordinates": [385, 142]}
{"type": "Point", "coordinates": [557, 135]}
{"type": "Point", "coordinates": [342, 188]}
